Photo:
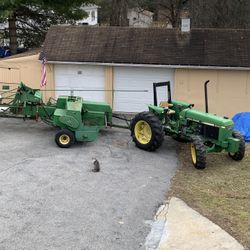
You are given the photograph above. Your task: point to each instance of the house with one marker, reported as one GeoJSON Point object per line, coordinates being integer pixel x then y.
{"type": "Point", "coordinates": [140, 18]}
{"type": "Point", "coordinates": [110, 62]}
{"type": "Point", "coordinates": [24, 67]}
{"type": "Point", "coordinates": [92, 15]}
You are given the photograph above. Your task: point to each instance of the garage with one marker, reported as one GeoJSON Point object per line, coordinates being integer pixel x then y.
{"type": "Point", "coordinates": [116, 60]}
{"type": "Point", "coordinates": [141, 79]}
{"type": "Point", "coordinates": [86, 81]}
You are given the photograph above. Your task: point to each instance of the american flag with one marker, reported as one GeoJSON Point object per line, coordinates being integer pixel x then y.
{"type": "Point", "coordinates": [43, 73]}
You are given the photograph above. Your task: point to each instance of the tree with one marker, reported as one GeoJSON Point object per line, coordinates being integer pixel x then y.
{"type": "Point", "coordinates": [108, 7]}
{"type": "Point", "coordinates": [220, 13]}
{"type": "Point", "coordinates": [28, 20]}
{"type": "Point", "coordinates": [119, 13]}
{"type": "Point", "coordinates": [207, 14]}
{"type": "Point", "coordinates": [104, 12]}
{"type": "Point", "coordinates": [171, 10]}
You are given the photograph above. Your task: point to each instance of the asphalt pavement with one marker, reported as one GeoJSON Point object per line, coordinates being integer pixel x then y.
{"type": "Point", "coordinates": [50, 198]}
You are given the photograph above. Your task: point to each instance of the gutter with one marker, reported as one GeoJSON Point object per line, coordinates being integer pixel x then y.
{"type": "Point", "coordinates": [151, 65]}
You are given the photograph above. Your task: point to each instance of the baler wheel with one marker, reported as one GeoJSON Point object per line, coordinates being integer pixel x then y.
{"type": "Point", "coordinates": [65, 138]}
{"type": "Point", "coordinates": [147, 131]}
{"type": "Point", "coordinates": [198, 152]}
{"type": "Point", "coordinates": [239, 155]}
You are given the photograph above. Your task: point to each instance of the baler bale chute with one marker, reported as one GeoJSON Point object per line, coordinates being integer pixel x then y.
{"type": "Point", "coordinates": [206, 132]}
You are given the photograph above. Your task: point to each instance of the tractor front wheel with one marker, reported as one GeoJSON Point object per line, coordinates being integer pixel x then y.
{"type": "Point", "coordinates": [147, 131]}
{"type": "Point", "coordinates": [198, 152]}
{"type": "Point", "coordinates": [65, 138]}
{"type": "Point", "coordinates": [239, 155]}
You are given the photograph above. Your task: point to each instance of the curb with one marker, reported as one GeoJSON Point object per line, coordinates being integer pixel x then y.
{"type": "Point", "coordinates": [158, 228]}
{"type": "Point", "coordinates": [177, 226]}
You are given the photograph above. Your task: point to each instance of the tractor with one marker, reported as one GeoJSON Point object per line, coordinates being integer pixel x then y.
{"type": "Point", "coordinates": [206, 132]}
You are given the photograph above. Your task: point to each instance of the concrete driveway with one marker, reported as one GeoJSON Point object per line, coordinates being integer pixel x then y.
{"type": "Point", "coordinates": [49, 198]}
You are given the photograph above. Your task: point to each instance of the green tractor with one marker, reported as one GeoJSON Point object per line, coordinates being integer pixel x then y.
{"type": "Point", "coordinates": [206, 132]}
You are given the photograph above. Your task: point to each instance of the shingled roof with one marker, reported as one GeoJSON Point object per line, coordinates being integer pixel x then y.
{"type": "Point", "coordinates": [157, 46]}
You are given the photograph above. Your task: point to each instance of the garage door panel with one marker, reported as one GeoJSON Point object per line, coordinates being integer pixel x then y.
{"type": "Point", "coordinates": [138, 78]}
{"type": "Point", "coordinates": [80, 77]}
{"type": "Point", "coordinates": [85, 70]}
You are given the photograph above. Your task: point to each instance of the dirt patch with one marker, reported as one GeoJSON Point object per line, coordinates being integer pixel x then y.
{"type": "Point", "coordinates": [221, 192]}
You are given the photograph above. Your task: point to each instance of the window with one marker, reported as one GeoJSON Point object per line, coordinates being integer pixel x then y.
{"type": "Point", "coordinates": [92, 15]}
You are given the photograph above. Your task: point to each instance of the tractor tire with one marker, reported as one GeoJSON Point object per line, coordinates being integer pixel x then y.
{"type": "Point", "coordinates": [65, 138]}
{"type": "Point", "coordinates": [198, 152]}
{"type": "Point", "coordinates": [239, 155]}
{"type": "Point", "coordinates": [147, 131]}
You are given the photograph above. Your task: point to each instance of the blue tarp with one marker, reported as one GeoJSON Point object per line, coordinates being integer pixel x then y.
{"type": "Point", "coordinates": [242, 124]}
{"type": "Point", "coordinates": [4, 52]}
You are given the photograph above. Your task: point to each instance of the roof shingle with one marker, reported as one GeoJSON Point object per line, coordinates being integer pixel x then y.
{"type": "Point", "coordinates": [159, 46]}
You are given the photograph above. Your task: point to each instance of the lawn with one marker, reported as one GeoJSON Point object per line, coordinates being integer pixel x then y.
{"type": "Point", "coordinates": [221, 192]}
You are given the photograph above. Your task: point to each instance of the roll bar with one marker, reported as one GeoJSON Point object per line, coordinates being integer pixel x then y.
{"type": "Point", "coordinates": [161, 84]}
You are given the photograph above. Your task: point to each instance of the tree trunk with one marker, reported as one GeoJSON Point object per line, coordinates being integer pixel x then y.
{"type": "Point", "coordinates": [13, 34]}
{"type": "Point", "coordinates": [124, 13]}
{"type": "Point", "coordinates": [115, 13]}
{"type": "Point", "coordinates": [119, 13]}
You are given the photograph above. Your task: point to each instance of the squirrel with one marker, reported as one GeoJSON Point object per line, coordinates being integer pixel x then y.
{"type": "Point", "coordinates": [96, 164]}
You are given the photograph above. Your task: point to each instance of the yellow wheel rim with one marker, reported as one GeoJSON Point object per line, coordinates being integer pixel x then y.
{"type": "Point", "coordinates": [143, 132]}
{"type": "Point", "coordinates": [64, 139]}
{"type": "Point", "coordinates": [193, 153]}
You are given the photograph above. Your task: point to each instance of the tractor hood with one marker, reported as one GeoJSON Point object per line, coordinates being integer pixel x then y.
{"type": "Point", "coordinates": [207, 118]}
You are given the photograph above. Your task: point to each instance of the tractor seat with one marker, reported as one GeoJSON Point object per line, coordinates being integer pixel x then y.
{"type": "Point", "coordinates": [171, 112]}
{"type": "Point", "coordinates": [166, 104]}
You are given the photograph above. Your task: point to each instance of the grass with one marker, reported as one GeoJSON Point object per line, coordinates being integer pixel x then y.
{"type": "Point", "coordinates": [221, 192]}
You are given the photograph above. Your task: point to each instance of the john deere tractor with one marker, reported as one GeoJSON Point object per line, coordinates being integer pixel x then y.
{"type": "Point", "coordinates": [206, 132]}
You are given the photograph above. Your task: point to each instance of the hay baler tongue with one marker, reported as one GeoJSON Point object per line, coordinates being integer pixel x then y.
{"type": "Point", "coordinates": [77, 119]}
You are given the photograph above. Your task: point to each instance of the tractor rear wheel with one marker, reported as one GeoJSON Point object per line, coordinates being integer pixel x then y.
{"type": "Point", "coordinates": [65, 138]}
{"type": "Point", "coordinates": [239, 155]}
{"type": "Point", "coordinates": [198, 152]}
{"type": "Point", "coordinates": [147, 131]}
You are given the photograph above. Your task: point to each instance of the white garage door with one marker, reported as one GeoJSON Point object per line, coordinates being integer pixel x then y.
{"type": "Point", "coordinates": [86, 81]}
{"type": "Point", "coordinates": [138, 78]}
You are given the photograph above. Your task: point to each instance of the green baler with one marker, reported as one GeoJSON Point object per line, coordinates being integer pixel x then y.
{"type": "Point", "coordinates": [205, 132]}
{"type": "Point", "coordinates": [78, 120]}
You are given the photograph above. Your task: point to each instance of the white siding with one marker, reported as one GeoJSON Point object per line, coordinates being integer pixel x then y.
{"type": "Point", "coordinates": [139, 78]}
{"type": "Point", "coordinates": [80, 77]}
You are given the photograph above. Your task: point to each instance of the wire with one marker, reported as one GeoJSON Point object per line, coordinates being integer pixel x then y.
{"type": "Point", "coordinates": [92, 90]}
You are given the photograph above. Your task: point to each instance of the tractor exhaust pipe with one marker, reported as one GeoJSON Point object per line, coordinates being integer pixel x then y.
{"type": "Point", "coordinates": [206, 98]}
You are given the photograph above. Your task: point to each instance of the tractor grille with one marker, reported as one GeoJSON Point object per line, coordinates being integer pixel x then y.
{"type": "Point", "coordinates": [209, 131]}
